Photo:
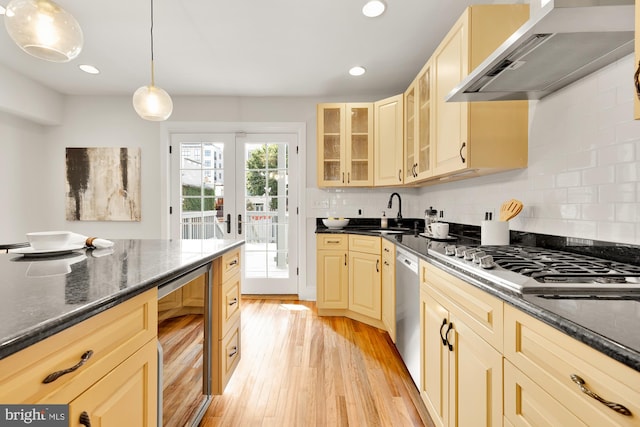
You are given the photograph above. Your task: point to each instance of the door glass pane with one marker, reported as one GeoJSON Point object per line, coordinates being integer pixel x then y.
{"type": "Point", "coordinates": [266, 209]}
{"type": "Point", "coordinates": [424, 123]}
{"type": "Point", "coordinates": [202, 184]}
{"type": "Point", "coordinates": [409, 133]}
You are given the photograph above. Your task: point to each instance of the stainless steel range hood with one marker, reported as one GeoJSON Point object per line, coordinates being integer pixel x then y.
{"type": "Point", "coordinates": [563, 41]}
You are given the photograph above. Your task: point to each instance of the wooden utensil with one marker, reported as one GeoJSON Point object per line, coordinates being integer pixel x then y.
{"type": "Point", "coordinates": [510, 209]}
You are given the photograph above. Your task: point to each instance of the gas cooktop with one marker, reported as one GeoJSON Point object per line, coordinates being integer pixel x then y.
{"type": "Point", "coordinates": [536, 270]}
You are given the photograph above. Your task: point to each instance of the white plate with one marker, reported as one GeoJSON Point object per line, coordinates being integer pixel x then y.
{"type": "Point", "coordinates": [30, 252]}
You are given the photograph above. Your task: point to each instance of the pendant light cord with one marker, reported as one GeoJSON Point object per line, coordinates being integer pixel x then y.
{"type": "Point", "coordinates": [152, 73]}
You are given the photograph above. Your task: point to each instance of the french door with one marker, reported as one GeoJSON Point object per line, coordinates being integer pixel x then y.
{"type": "Point", "coordinates": [237, 185]}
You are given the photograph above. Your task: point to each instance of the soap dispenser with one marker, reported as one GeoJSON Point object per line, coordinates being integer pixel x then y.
{"type": "Point", "coordinates": [383, 221]}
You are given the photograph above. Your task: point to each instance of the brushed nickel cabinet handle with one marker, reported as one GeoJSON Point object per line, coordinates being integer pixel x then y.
{"type": "Point", "coordinates": [234, 351]}
{"type": "Point", "coordinates": [621, 409]}
{"type": "Point", "coordinates": [83, 359]}
{"type": "Point", "coordinates": [84, 419]}
{"type": "Point", "coordinates": [233, 302]}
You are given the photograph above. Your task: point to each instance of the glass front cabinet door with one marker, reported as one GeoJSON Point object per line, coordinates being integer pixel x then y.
{"type": "Point", "coordinates": [345, 145]}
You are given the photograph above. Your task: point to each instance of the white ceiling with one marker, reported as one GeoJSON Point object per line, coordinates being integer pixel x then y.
{"type": "Point", "coordinates": [244, 47]}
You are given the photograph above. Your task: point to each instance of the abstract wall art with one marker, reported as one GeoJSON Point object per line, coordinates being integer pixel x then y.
{"type": "Point", "coordinates": [103, 184]}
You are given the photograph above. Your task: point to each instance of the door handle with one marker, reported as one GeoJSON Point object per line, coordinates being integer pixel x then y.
{"type": "Point", "coordinates": [446, 336]}
{"type": "Point", "coordinates": [228, 223]}
{"type": "Point", "coordinates": [444, 340]}
{"type": "Point", "coordinates": [464, 144]}
{"type": "Point", "coordinates": [239, 224]}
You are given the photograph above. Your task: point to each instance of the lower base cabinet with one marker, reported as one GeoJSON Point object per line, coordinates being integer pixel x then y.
{"type": "Point", "coordinates": [115, 386]}
{"type": "Point", "coordinates": [542, 366]}
{"type": "Point", "coordinates": [478, 352]}
{"type": "Point", "coordinates": [461, 373]}
{"type": "Point", "coordinates": [127, 396]}
{"type": "Point", "coordinates": [349, 274]}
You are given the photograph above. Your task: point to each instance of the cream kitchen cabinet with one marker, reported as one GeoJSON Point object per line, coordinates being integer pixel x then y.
{"type": "Point", "coordinates": [543, 368]}
{"type": "Point", "coordinates": [365, 291]}
{"type": "Point", "coordinates": [461, 372]}
{"type": "Point", "coordinates": [388, 281]}
{"type": "Point", "coordinates": [226, 346]}
{"type": "Point", "coordinates": [332, 263]}
{"type": "Point", "coordinates": [418, 129]}
{"type": "Point", "coordinates": [349, 274]}
{"type": "Point", "coordinates": [345, 145]}
{"type": "Point", "coordinates": [476, 137]}
{"type": "Point", "coordinates": [105, 367]}
{"type": "Point", "coordinates": [388, 141]}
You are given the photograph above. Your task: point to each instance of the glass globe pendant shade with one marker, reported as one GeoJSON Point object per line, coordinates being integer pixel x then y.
{"type": "Point", "coordinates": [152, 103]}
{"type": "Point", "coordinates": [44, 30]}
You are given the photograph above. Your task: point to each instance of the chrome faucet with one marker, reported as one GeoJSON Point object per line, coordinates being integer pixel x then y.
{"type": "Point", "coordinates": [399, 216]}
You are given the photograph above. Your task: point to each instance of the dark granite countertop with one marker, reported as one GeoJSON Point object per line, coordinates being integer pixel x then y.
{"type": "Point", "coordinates": [38, 298]}
{"type": "Point", "coordinates": [611, 326]}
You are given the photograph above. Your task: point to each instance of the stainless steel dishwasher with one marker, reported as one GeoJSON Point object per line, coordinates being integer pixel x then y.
{"type": "Point", "coordinates": [408, 312]}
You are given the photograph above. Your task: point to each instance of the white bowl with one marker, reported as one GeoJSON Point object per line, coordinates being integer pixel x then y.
{"type": "Point", "coordinates": [335, 224]}
{"type": "Point", "coordinates": [49, 240]}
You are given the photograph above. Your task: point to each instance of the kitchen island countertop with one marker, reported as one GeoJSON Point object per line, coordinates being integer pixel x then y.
{"type": "Point", "coordinates": [42, 296]}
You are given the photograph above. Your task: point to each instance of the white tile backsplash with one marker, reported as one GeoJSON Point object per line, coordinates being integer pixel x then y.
{"type": "Point", "coordinates": [582, 180]}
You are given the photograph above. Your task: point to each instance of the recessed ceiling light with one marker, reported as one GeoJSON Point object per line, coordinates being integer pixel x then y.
{"type": "Point", "coordinates": [373, 8]}
{"type": "Point", "coordinates": [357, 71]}
{"type": "Point", "coordinates": [89, 69]}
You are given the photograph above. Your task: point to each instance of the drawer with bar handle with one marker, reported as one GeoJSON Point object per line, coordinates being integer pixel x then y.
{"type": "Point", "coordinates": [59, 368]}
{"type": "Point", "coordinates": [595, 388]}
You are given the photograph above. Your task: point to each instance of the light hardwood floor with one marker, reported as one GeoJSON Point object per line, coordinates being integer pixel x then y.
{"type": "Point", "coordinates": [298, 369]}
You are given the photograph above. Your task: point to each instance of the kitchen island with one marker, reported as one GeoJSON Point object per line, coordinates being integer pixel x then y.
{"type": "Point", "coordinates": [81, 327]}
{"type": "Point", "coordinates": [38, 300]}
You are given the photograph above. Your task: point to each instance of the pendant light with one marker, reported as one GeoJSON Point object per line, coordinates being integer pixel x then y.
{"type": "Point", "coordinates": [151, 102]}
{"type": "Point", "coordinates": [43, 29]}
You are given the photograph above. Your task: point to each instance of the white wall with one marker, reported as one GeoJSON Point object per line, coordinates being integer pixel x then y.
{"type": "Point", "coordinates": [22, 175]}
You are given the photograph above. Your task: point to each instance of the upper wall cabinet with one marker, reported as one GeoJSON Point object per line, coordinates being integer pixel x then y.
{"type": "Point", "coordinates": [418, 129]}
{"type": "Point", "coordinates": [479, 137]}
{"type": "Point", "coordinates": [345, 145]}
{"type": "Point", "coordinates": [387, 148]}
